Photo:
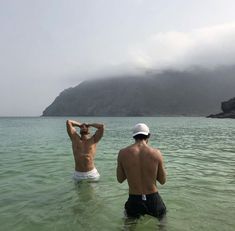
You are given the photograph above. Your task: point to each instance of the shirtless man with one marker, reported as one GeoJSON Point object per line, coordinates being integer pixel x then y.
{"type": "Point", "coordinates": [84, 149]}
{"type": "Point", "coordinates": [142, 166]}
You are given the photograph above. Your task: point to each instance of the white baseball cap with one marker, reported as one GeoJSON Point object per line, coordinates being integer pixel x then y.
{"type": "Point", "coordinates": [140, 128]}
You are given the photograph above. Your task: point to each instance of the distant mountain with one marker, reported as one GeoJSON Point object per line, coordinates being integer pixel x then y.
{"type": "Point", "coordinates": [198, 92]}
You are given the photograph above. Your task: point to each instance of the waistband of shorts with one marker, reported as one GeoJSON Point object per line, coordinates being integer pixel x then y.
{"type": "Point", "coordinates": [93, 171]}
{"type": "Point", "coordinates": [142, 196]}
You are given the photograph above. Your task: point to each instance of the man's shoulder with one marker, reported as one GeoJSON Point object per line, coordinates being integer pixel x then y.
{"type": "Point", "coordinates": [129, 147]}
{"type": "Point", "coordinates": [126, 149]}
{"type": "Point", "coordinates": [155, 151]}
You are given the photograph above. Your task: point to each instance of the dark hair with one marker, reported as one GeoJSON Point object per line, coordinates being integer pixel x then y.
{"type": "Point", "coordinates": [141, 137]}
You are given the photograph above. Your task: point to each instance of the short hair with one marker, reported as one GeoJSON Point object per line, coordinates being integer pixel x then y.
{"type": "Point", "coordinates": [141, 137]}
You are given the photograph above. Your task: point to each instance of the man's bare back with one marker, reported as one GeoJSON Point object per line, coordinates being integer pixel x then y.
{"type": "Point", "coordinates": [142, 166]}
{"type": "Point", "coordinates": [84, 145]}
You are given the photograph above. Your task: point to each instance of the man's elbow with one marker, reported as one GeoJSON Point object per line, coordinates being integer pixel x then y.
{"type": "Point", "coordinates": [120, 180]}
{"type": "Point", "coordinates": [67, 124]}
{"type": "Point", "coordinates": [102, 127]}
{"type": "Point", "coordinates": [162, 181]}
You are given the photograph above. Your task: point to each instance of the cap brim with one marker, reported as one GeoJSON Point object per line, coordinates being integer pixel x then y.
{"type": "Point", "coordinates": [140, 133]}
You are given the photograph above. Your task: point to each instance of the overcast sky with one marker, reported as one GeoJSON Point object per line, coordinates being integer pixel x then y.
{"type": "Point", "coordinates": [47, 46]}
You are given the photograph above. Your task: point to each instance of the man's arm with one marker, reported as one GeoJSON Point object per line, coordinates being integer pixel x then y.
{"type": "Point", "coordinates": [121, 176]}
{"type": "Point", "coordinates": [161, 173]}
{"type": "Point", "coordinates": [71, 124]}
{"type": "Point", "coordinates": [99, 132]}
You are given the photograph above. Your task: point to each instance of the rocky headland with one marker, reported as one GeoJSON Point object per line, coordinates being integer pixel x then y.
{"type": "Point", "coordinates": [228, 108]}
{"type": "Point", "coordinates": [196, 92]}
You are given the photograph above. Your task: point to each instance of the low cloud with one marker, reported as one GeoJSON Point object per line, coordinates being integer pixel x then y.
{"type": "Point", "coordinates": [205, 47]}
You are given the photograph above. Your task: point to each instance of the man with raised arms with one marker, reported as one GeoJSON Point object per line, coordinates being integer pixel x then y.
{"type": "Point", "coordinates": [142, 166]}
{"type": "Point", "coordinates": [84, 149]}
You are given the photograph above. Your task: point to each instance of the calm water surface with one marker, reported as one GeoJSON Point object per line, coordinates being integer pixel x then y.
{"type": "Point", "coordinates": [37, 191]}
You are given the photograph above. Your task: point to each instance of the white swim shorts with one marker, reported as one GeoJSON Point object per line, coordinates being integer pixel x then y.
{"type": "Point", "coordinates": [92, 175]}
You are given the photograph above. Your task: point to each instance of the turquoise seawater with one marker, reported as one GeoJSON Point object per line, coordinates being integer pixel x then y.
{"type": "Point", "coordinates": [37, 191]}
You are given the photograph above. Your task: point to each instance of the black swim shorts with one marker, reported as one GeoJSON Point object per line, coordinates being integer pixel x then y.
{"type": "Point", "coordinates": [151, 204]}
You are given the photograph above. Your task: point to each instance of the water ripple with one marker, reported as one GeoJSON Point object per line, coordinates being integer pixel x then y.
{"type": "Point", "coordinates": [38, 193]}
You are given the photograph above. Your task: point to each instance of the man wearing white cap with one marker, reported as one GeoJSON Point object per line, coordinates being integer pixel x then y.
{"type": "Point", "coordinates": [142, 166]}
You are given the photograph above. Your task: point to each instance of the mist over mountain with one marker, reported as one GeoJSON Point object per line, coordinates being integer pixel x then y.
{"type": "Point", "coordinates": [195, 92]}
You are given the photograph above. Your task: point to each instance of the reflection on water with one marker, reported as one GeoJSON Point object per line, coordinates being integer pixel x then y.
{"type": "Point", "coordinates": [87, 203]}
{"type": "Point", "coordinates": [86, 190]}
{"type": "Point", "coordinates": [151, 223]}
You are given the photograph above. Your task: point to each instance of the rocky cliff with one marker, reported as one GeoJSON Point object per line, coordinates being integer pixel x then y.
{"type": "Point", "coordinates": [171, 93]}
{"type": "Point", "coordinates": [228, 108]}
